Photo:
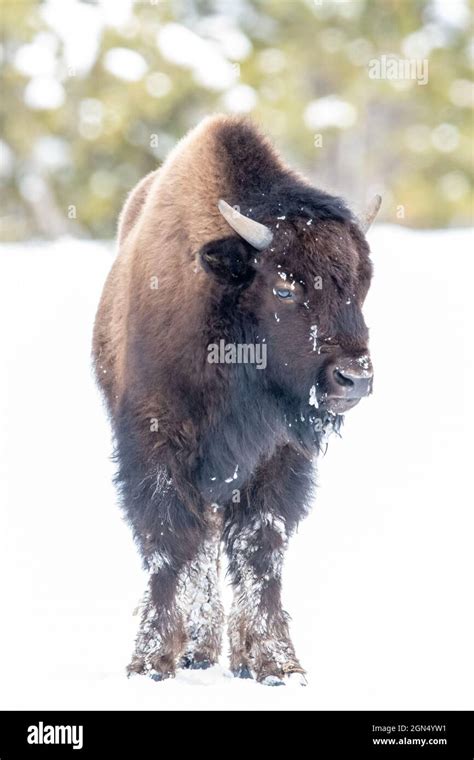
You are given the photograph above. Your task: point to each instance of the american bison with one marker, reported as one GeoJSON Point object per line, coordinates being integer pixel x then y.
{"type": "Point", "coordinates": [228, 342]}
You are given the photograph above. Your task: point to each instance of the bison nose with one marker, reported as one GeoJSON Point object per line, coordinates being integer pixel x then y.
{"type": "Point", "coordinates": [350, 378]}
{"type": "Point", "coordinates": [352, 383]}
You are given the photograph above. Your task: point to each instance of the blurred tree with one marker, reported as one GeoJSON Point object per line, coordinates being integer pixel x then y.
{"type": "Point", "coordinates": [94, 95]}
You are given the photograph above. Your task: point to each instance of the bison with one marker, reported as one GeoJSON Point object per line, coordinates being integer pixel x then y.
{"type": "Point", "coordinates": [229, 341]}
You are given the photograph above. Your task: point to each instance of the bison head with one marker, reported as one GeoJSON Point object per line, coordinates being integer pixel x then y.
{"type": "Point", "coordinates": [297, 285]}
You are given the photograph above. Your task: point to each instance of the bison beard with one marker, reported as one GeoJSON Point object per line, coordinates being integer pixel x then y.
{"type": "Point", "coordinates": [214, 456]}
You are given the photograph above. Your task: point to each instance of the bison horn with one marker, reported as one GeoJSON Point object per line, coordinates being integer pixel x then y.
{"type": "Point", "coordinates": [258, 235]}
{"type": "Point", "coordinates": [370, 213]}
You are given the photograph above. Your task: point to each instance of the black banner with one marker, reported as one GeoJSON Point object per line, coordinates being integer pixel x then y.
{"type": "Point", "coordinates": [326, 734]}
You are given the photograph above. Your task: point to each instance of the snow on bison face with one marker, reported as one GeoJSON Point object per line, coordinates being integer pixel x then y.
{"type": "Point", "coordinates": [301, 297]}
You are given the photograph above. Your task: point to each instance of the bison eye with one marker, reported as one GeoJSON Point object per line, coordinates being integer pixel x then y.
{"type": "Point", "coordinates": [283, 293]}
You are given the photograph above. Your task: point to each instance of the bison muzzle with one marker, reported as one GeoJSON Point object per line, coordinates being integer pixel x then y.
{"type": "Point", "coordinates": [228, 342]}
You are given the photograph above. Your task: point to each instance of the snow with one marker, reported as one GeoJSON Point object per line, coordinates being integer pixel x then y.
{"type": "Point", "coordinates": [233, 476]}
{"type": "Point", "coordinates": [313, 399]}
{"type": "Point", "coordinates": [378, 579]}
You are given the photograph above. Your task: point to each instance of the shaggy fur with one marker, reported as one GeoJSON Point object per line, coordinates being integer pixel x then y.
{"type": "Point", "coordinates": [209, 452]}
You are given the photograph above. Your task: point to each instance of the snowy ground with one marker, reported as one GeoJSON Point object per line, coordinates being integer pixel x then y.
{"type": "Point", "coordinates": [379, 578]}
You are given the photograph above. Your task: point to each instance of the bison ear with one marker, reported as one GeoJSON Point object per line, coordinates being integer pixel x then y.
{"type": "Point", "coordinates": [230, 260]}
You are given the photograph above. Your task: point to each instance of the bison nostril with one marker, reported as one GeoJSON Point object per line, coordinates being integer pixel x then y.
{"type": "Point", "coordinates": [348, 380]}
{"type": "Point", "coordinates": [342, 379]}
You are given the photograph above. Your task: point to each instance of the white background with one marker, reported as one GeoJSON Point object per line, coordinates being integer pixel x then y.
{"type": "Point", "coordinates": [379, 578]}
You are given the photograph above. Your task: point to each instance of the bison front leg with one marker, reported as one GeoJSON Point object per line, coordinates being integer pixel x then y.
{"type": "Point", "coordinates": [199, 599]}
{"type": "Point", "coordinates": [181, 612]}
{"type": "Point", "coordinates": [258, 626]}
{"type": "Point", "coordinates": [161, 636]}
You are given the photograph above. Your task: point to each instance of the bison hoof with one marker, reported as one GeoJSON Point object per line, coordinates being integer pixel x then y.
{"type": "Point", "coordinates": [272, 681]}
{"type": "Point", "coordinates": [142, 667]}
{"type": "Point", "coordinates": [191, 663]}
{"type": "Point", "coordinates": [243, 671]}
{"type": "Point", "coordinates": [291, 678]}
{"type": "Point", "coordinates": [156, 676]}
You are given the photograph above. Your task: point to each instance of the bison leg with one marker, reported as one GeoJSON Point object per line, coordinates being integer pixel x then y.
{"type": "Point", "coordinates": [199, 600]}
{"type": "Point", "coordinates": [258, 626]}
{"type": "Point", "coordinates": [181, 612]}
{"type": "Point", "coordinates": [161, 637]}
